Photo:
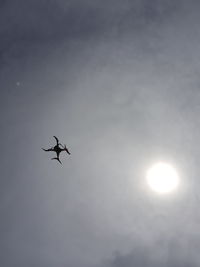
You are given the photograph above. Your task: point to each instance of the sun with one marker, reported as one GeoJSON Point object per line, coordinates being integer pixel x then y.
{"type": "Point", "coordinates": [162, 178]}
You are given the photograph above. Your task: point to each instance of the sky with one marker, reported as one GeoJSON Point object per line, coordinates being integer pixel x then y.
{"type": "Point", "coordinates": [118, 83]}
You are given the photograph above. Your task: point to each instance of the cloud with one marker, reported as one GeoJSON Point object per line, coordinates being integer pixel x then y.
{"type": "Point", "coordinates": [171, 256]}
{"type": "Point", "coordinates": [41, 21]}
{"type": "Point", "coordinates": [118, 81]}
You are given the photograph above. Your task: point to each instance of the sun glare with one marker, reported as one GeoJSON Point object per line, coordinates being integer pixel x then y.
{"type": "Point", "coordinates": [162, 178]}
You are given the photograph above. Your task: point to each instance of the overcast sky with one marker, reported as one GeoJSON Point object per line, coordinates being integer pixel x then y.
{"type": "Point", "coordinates": [118, 82]}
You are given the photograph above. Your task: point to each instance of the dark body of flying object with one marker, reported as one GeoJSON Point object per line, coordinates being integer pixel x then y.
{"type": "Point", "coordinates": [58, 148]}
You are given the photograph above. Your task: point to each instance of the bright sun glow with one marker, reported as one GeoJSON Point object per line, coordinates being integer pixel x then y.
{"type": "Point", "coordinates": [162, 178]}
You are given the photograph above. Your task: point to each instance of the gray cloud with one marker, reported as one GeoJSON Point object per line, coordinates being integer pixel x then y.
{"type": "Point", "coordinates": [26, 22]}
{"type": "Point", "coordinates": [118, 81]}
{"type": "Point", "coordinates": [174, 254]}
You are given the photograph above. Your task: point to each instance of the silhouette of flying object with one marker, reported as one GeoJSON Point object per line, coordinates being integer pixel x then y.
{"type": "Point", "coordinates": [58, 148]}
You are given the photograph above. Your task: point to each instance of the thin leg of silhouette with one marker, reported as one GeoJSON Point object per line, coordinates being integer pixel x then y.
{"type": "Point", "coordinates": [57, 160]}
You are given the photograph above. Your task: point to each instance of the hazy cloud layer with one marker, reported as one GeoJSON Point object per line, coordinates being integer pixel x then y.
{"type": "Point", "coordinates": [118, 82]}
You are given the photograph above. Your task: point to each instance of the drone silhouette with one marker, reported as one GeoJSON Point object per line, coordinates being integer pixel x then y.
{"type": "Point", "coordinates": [58, 148]}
